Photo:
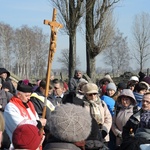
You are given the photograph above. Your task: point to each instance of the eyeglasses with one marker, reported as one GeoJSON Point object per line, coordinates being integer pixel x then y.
{"type": "Point", "coordinates": [91, 94]}
{"type": "Point", "coordinates": [144, 101]}
{"type": "Point", "coordinates": [56, 88]}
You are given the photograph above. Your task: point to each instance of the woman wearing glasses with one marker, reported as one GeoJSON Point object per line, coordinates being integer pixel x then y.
{"type": "Point", "coordinates": [98, 110]}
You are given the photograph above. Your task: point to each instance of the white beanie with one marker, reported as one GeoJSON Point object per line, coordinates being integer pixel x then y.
{"type": "Point", "coordinates": [134, 78]}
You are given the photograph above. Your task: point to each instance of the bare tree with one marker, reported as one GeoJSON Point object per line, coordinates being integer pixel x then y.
{"type": "Point", "coordinates": [141, 38]}
{"type": "Point", "coordinates": [117, 54]}
{"type": "Point", "coordinates": [39, 53]}
{"type": "Point", "coordinates": [6, 49]}
{"type": "Point", "coordinates": [64, 59]}
{"type": "Point", "coordinates": [31, 47]}
{"type": "Point", "coordinates": [99, 29]}
{"type": "Point", "coordinates": [71, 12]}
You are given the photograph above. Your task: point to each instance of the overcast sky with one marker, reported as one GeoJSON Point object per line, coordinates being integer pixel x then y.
{"type": "Point", "coordinates": [32, 13]}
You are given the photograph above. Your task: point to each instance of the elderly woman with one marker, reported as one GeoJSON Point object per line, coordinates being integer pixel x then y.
{"type": "Point", "coordinates": [98, 109]}
{"type": "Point", "coordinates": [125, 107]}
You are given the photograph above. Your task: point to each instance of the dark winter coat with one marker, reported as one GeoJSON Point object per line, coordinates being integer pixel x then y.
{"type": "Point", "coordinates": [56, 144]}
{"type": "Point", "coordinates": [132, 124]}
{"type": "Point", "coordinates": [4, 98]}
{"type": "Point", "coordinates": [61, 146]}
{"type": "Point", "coordinates": [8, 80]}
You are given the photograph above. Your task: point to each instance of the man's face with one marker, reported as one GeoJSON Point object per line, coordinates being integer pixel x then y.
{"type": "Point", "coordinates": [79, 75]}
{"type": "Point", "coordinates": [58, 90]}
{"type": "Point", "coordinates": [25, 97]}
{"type": "Point", "coordinates": [146, 102]}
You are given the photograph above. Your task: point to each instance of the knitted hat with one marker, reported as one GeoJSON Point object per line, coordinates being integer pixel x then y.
{"type": "Point", "coordinates": [122, 85]}
{"type": "Point", "coordinates": [77, 70]}
{"type": "Point", "coordinates": [134, 78]}
{"type": "Point", "coordinates": [24, 86]}
{"type": "Point", "coordinates": [26, 136]}
{"type": "Point", "coordinates": [111, 86]}
{"type": "Point", "coordinates": [70, 123]}
{"type": "Point", "coordinates": [90, 88]}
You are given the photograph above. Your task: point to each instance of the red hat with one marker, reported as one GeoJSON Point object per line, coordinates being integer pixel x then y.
{"type": "Point", "coordinates": [26, 136]}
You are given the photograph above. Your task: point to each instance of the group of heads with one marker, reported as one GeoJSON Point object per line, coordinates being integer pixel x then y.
{"type": "Point", "coordinates": [68, 123]}
{"type": "Point", "coordinates": [24, 88]}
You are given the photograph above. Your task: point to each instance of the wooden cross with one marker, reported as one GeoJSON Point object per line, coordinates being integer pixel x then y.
{"type": "Point", "coordinates": [55, 26]}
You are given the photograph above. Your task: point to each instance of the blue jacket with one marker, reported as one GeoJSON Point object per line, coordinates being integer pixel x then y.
{"type": "Point", "coordinates": [110, 103]}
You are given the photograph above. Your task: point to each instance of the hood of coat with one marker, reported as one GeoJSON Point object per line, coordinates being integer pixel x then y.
{"type": "Point", "coordinates": [3, 70]}
{"type": "Point", "coordinates": [128, 93]}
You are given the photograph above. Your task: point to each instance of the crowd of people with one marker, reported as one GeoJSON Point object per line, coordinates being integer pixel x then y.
{"type": "Point", "coordinates": [80, 115]}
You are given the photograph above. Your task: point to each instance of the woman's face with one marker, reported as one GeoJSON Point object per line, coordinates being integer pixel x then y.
{"type": "Point", "coordinates": [125, 101]}
{"type": "Point", "coordinates": [91, 96]}
{"type": "Point", "coordinates": [110, 92]}
{"type": "Point", "coordinates": [143, 91]}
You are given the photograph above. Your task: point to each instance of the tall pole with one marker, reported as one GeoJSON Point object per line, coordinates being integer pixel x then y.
{"type": "Point", "coordinates": [54, 26]}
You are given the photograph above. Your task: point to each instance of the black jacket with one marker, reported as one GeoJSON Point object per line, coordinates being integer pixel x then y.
{"type": "Point", "coordinates": [131, 125]}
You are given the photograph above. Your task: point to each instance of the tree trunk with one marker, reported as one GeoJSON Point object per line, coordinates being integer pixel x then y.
{"type": "Point", "coordinates": [90, 64]}
{"type": "Point", "coordinates": [90, 59]}
{"type": "Point", "coordinates": [72, 55]}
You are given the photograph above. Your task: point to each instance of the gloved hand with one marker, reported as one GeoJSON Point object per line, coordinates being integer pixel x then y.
{"type": "Point", "coordinates": [104, 133]}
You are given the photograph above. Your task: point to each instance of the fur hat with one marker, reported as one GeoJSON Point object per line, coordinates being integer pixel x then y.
{"type": "Point", "coordinates": [24, 86]}
{"type": "Point", "coordinates": [3, 70]}
{"type": "Point", "coordinates": [90, 88]}
{"type": "Point", "coordinates": [70, 123]}
{"type": "Point", "coordinates": [111, 86]}
{"type": "Point", "coordinates": [26, 136]}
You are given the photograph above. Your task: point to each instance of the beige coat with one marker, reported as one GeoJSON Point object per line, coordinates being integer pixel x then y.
{"type": "Point", "coordinates": [123, 115]}
{"type": "Point", "coordinates": [119, 121]}
{"type": "Point", "coordinates": [106, 118]}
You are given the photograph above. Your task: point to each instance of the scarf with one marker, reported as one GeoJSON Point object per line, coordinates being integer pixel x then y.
{"type": "Point", "coordinates": [23, 109]}
{"type": "Point", "coordinates": [145, 119]}
{"type": "Point", "coordinates": [95, 109]}
{"type": "Point", "coordinates": [138, 98]}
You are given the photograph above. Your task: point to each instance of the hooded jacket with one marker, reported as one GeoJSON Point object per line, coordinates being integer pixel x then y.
{"type": "Point", "coordinates": [120, 118]}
